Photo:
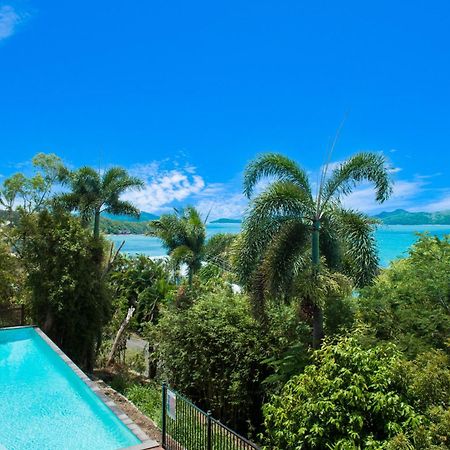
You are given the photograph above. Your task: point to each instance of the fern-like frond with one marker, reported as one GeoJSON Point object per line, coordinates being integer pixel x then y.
{"type": "Point", "coordinates": [277, 166]}
{"type": "Point", "coordinates": [371, 167]}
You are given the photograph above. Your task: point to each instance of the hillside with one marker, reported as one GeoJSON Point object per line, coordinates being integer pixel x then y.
{"type": "Point", "coordinates": [144, 217]}
{"type": "Point", "coordinates": [109, 226]}
{"type": "Point", "coordinates": [120, 224]}
{"type": "Point", "coordinates": [403, 217]}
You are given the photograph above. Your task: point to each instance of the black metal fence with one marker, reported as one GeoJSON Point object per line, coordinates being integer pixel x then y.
{"type": "Point", "coordinates": [186, 427]}
{"type": "Point", "coordinates": [12, 316]}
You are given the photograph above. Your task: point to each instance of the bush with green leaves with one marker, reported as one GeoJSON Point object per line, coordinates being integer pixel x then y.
{"type": "Point", "coordinates": [11, 276]}
{"type": "Point", "coordinates": [69, 300]}
{"type": "Point", "coordinates": [409, 303]}
{"type": "Point", "coordinates": [211, 352]}
{"type": "Point", "coordinates": [349, 398]}
{"type": "Point", "coordinates": [215, 353]}
{"type": "Point", "coordinates": [140, 282]}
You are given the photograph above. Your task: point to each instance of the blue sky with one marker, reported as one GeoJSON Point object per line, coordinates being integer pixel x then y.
{"type": "Point", "coordinates": [186, 93]}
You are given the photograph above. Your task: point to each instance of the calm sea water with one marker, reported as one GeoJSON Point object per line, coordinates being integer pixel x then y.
{"type": "Point", "coordinates": [393, 241]}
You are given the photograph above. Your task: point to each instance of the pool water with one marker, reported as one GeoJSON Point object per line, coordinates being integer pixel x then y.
{"type": "Point", "coordinates": [44, 405]}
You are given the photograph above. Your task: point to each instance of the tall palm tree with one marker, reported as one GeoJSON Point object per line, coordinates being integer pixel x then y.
{"type": "Point", "coordinates": [92, 193]}
{"type": "Point", "coordinates": [286, 219]}
{"type": "Point", "coordinates": [183, 234]}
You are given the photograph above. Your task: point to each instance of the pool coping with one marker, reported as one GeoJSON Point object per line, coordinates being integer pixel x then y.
{"type": "Point", "coordinates": [146, 442]}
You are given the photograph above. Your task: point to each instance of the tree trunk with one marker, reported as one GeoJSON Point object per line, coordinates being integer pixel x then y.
{"type": "Point", "coordinates": [317, 311]}
{"type": "Point", "coordinates": [119, 335]}
{"type": "Point", "coordinates": [97, 224]}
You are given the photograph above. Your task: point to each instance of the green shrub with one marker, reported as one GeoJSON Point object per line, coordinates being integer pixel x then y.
{"type": "Point", "coordinates": [409, 303]}
{"type": "Point", "coordinates": [211, 352]}
{"type": "Point", "coordinates": [350, 398]}
{"type": "Point", "coordinates": [215, 353]}
{"type": "Point", "coordinates": [69, 299]}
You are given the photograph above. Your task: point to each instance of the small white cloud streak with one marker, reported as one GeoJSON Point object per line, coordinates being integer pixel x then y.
{"type": "Point", "coordinates": [403, 196]}
{"type": "Point", "coordinates": [9, 19]}
{"type": "Point", "coordinates": [443, 204]}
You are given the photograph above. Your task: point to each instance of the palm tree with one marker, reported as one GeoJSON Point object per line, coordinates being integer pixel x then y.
{"type": "Point", "coordinates": [183, 234]}
{"type": "Point", "coordinates": [286, 219]}
{"type": "Point", "coordinates": [92, 193]}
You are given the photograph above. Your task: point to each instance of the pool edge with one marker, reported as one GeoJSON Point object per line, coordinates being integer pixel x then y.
{"type": "Point", "coordinates": [146, 442]}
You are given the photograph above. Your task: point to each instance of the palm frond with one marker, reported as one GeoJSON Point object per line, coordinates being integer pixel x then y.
{"type": "Point", "coordinates": [282, 198]}
{"type": "Point", "coordinates": [330, 244]}
{"type": "Point", "coordinates": [116, 180]}
{"type": "Point", "coordinates": [251, 244]}
{"type": "Point", "coordinates": [360, 255]}
{"type": "Point", "coordinates": [277, 166]}
{"type": "Point", "coordinates": [122, 207]}
{"type": "Point", "coordinates": [366, 166]}
{"type": "Point", "coordinates": [182, 255]}
{"type": "Point", "coordinates": [287, 254]}
{"type": "Point", "coordinates": [169, 229]}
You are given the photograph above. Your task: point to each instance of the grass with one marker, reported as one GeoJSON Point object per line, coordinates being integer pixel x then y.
{"type": "Point", "coordinates": [147, 398]}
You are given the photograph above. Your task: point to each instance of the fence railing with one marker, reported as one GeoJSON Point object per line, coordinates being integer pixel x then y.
{"type": "Point", "coordinates": [12, 316]}
{"type": "Point", "coordinates": [187, 427]}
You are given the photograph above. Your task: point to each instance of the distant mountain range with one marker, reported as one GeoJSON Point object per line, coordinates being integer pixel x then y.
{"type": "Point", "coordinates": [403, 217]}
{"type": "Point", "coordinates": [397, 217]}
{"type": "Point", "coordinates": [120, 224]}
{"type": "Point", "coordinates": [129, 225]}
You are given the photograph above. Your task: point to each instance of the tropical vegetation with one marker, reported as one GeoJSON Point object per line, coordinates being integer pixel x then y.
{"type": "Point", "coordinates": [289, 229]}
{"type": "Point", "coordinates": [288, 332]}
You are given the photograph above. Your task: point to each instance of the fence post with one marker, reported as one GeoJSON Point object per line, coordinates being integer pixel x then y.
{"type": "Point", "coordinates": [164, 406]}
{"type": "Point", "coordinates": [209, 440]}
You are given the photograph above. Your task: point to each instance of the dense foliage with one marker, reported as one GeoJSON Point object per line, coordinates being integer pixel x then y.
{"type": "Point", "coordinates": [143, 283]}
{"type": "Point", "coordinates": [11, 276]}
{"type": "Point", "coordinates": [347, 399]}
{"type": "Point", "coordinates": [381, 380]}
{"type": "Point", "coordinates": [351, 397]}
{"type": "Point", "coordinates": [215, 353]}
{"type": "Point", "coordinates": [68, 296]}
{"type": "Point", "coordinates": [409, 303]}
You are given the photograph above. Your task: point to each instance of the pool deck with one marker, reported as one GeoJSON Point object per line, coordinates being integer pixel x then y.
{"type": "Point", "coordinates": [146, 442]}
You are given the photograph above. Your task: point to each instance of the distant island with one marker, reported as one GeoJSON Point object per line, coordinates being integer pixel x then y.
{"type": "Point", "coordinates": [227, 221]}
{"type": "Point", "coordinates": [403, 217]}
{"type": "Point", "coordinates": [111, 224]}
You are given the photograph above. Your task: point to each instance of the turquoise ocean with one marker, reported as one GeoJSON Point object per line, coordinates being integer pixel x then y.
{"type": "Point", "coordinates": [393, 240]}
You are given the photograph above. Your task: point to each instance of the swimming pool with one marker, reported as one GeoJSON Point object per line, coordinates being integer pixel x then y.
{"type": "Point", "coordinates": [45, 405]}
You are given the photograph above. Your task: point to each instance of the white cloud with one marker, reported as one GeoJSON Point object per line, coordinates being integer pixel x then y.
{"type": "Point", "coordinates": [404, 196]}
{"type": "Point", "coordinates": [442, 204]}
{"type": "Point", "coordinates": [163, 187]}
{"type": "Point", "coordinates": [9, 19]}
{"type": "Point", "coordinates": [168, 186]}
{"type": "Point", "coordinates": [228, 205]}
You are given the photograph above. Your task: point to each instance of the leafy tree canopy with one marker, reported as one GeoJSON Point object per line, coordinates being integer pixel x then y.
{"type": "Point", "coordinates": [64, 274]}
{"type": "Point", "coordinates": [356, 398]}
{"type": "Point", "coordinates": [409, 303]}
